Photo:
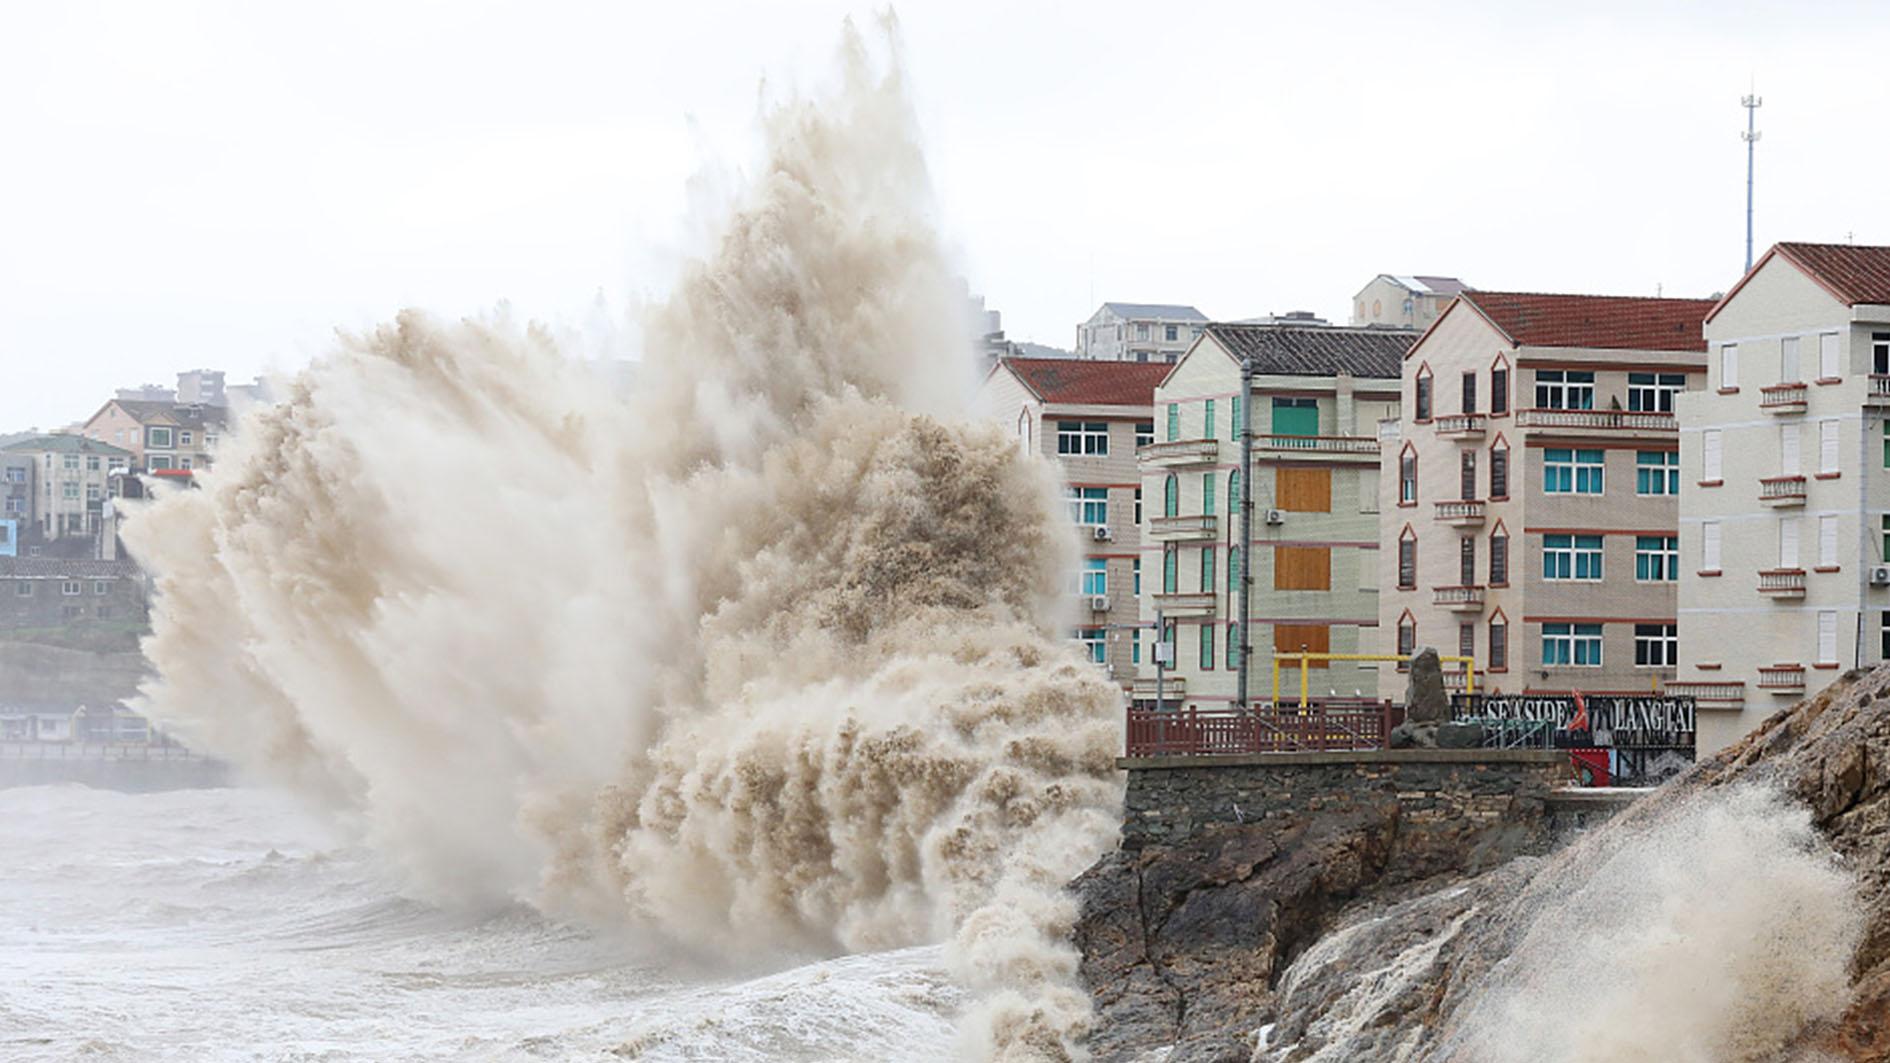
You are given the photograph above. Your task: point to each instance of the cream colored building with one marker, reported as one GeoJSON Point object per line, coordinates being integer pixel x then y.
{"type": "Point", "coordinates": [1785, 529]}
{"type": "Point", "coordinates": [159, 435]}
{"type": "Point", "coordinates": [1318, 394]}
{"type": "Point", "coordinates": [1089, 417]}
{"type": "Point", "coordinates": [1139, 332]}
{"type": "Point", "coordinates": [73, 476]}
{"type": "Point", "coordinates": [1404, 301]}
{"type": "Point", "coordinates": [1531, 489]}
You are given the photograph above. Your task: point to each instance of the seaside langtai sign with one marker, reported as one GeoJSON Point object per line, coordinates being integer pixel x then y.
{"type": "Point", "coordinates": [1627, 719]}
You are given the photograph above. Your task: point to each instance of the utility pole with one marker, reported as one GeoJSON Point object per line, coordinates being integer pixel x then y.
{"type": "Point", "coordinates": [1162, 653]}
{"type": "Point", "coordinates": [1752, 104]}
{"type": "Point", "coordinates": [1246, 527]}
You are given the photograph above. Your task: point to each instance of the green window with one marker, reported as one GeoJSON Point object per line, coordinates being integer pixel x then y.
{"type": "Point", "coordinates": [1295, 417]}
{"type": "Point", "coordinates": [1208, 493]}
{"type": "Point", "coordinates": [1233, 561]}
{"type": "Point", "coordinates": [1207, 647]}
{"type": "Point", "coordinates": [1233, 492]}
{"type": "Point", "coordinates": [1233, 646]}
{"type": "Point", "coordinates": [1171, 497]}
{"type": "Point", "coordinates": [1207, 570]}
{"type": "Point", "coordinates": [1234, 424]}
{"type": "Point", "coordinates": [1174, 421]}
{"type": "Point", "coordinates": [1207, 419]}
{"type": "Point", "coordinates": [1135, 573]}
{"type": "Point", "coordinates": [1169, 580]}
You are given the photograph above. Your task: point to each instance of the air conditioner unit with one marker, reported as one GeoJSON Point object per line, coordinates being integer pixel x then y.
{"type": "Point", "coordinates": [1099, 603]}
{"type": "Point", "coordinates": [1880, 575]}
{"type": "Point", "coordinates": [1101, 533]}
{"type": "Point", "coordinates": [1276, 516]}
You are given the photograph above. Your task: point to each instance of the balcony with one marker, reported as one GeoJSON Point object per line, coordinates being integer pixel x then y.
{"type": "Point", "coordinates": [1179, 453]}
{"type": "Point", "coordinates": [1458, 599]}
{"type": "Point", "coordinates": [1173, 686]}
{"type": "Point", "coordinates": [1461, 425]}
{"type": "Point", "coordinates": [1783, 679]}
{"type": "Point", "coordinates": [1783, 398]}
{"type": "Point", "coordinates": [1879, 393]}
{"type": "Point", "coordinates": [1182, 529]}
{"type": "Point", "coordinates": [1781, 491]}
{"type": "Point", "coordinates": [1730, 694]}
{"type": "Point", "coordinates": [1184, 606]}
{"type": "Point", "coordinates": [1782, 582]}
{"type": "Point", "coordinates": [1598, 420]}
{"type": "Point", "coordinates": [1464, 513]}
{"type": "Point", "coordinates": [1362, 449]}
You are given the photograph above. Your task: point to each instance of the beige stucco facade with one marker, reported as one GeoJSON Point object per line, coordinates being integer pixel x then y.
{"type": "Point", "coordinates": [1784, 517]}
{"type": "Point", "coordinates": [1550, 583]}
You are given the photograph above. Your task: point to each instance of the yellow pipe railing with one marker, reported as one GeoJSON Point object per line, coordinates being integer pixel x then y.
{"type": "Point", "coordinates": [1305, 676]}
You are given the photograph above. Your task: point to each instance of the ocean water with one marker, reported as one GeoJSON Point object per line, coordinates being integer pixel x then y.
{"type": "Point", "coordinates": [228, 925]}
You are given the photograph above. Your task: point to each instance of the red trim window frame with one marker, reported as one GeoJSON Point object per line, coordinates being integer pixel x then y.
{"type": "Point", "coordinates": [1408, 453]}
{"type": "Point", "coordinates": [1499, 528]}
{"type": "Point", "coordinates": [1424, 395]}
{"type": "Point", "coordinates": [1501, 364]}
{"type": "Point", "coordinates": [1489, 634]}
{"type": "Point", "coordinates": [1405, 647]}
{"type": "Point", "coordinates": [1509, 473]}
{"type": "Point", "coordinates": [1408, 535]}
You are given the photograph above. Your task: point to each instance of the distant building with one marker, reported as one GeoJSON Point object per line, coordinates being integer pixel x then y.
{"type": "Point", "coordinates": [1301, 318]}
{"type": "Point", "coordinates": [1785, 522]}
{"type": "Point", "coordinates": [1139, 332]}
{"type": "Point", "coordinates": [1089, 417]}
{"type": "Point", "coordinates": [1405, 302]}
{"type": "Point", "coordinates": [1532, 490]}
{"type": "Point", "coordinates": [1318, 394]}
{"type": "Point", "coordinates": [73, 483]}
{"type": "Point", "coordinates": [159, 435]}
{"type": "Point", "coordinates": [19, 473]}
{"type": "Point", "coordinates": [147, 393]}
{"type": "Point", "coordinates": [40, 592]}
{"type": "Point", "coordinates": [200, 387]}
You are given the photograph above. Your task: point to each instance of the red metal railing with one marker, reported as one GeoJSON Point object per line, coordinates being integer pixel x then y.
{"type": "Point", "coordinates": [1331, 724]}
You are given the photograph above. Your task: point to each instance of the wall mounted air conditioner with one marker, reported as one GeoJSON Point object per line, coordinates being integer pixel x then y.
{"type": "Point", "coordinates": [1101, 533]}
{"type": "Point", "coordinates": [1276, 516]}
{"type": "Point", "coordinates": [1099, 603]}
{"type": "Point", "coordinates": [1880, 575]}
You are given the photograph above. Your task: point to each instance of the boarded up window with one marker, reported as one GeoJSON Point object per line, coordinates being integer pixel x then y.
{"type": "Point", "coordinates": [1295, 638]}
{"type": "Point", "coordinates": [1304, 490]}
{"type": "Point", "coordinates": [1302, 568]}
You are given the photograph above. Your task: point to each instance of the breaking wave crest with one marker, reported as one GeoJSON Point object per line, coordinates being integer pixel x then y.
{"type": "Point", "coordinates": [764, 659]}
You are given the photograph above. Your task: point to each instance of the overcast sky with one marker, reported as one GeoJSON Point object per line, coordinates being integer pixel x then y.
{"type": "Point", "coordinates": [209, 184]}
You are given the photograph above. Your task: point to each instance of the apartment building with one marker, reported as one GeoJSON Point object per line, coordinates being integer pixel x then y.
{"type": "Point", "coordinates": [1785, 523]}
{"type": "Point", "coordinates": [1532, 489]}
{"type": "Point", "coordinates": [1139, 332]}
{"type": "Point", "coordinates": [18, 475]}
{"type": "Point", "coordinates": [1089, 417]}
{"type": "Point", "coordinates": [73, 475]}
{"type": "Point", "coordinates": [1316, 397]}
{"type": "Point", "coordinates": [160, 435]}
{"type": "Point", "coordinates": [1404, 301]}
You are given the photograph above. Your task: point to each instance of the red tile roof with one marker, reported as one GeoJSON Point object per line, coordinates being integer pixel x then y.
{"type": "Point", "coordinates": [1606, 322]}
{"type": "Point", "coordinates": [1084, 382]}
{"type": "Point", "coordinates": [1853, 274]}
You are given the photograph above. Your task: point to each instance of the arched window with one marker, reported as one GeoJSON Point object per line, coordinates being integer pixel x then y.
{"type": "Point", "coordinates": [1233, 646]}
{"type": "Point", "coordinates": [1233, 493]}
{"type": "Point", "coordinates": [1171, 496]}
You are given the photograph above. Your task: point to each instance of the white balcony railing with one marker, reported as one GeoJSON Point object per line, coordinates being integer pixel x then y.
{"type": "Point", "coordinates": [1179, 452]}
{"type": "Point", "coordinates": [1458, 599]}
{"type": "Point", "coordinates": [1200, 526]}
{"type": "Point", "coordinates": [1277, 444]}
{"type": "Point", "coordinates": [1461, 425]}
{"type": "Point", "coordinates": [1467, 511]}
{"type": "Point", "coordinates": [1783, 398]}
{"type": "Point", "coordinates": [1783, 582]}
{"type": "Point", "coordinates": [1715, 693]}
{"type": "Point", "coordinates": [1783, 679]}
{"type": "Point", "coordinates": [1782, 490]}
{"type": "Point", "coordinates": [1606, 420]}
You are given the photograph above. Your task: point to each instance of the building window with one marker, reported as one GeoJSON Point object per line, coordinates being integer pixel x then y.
{"type": "Point", "coordinates": [1209, 494]}
{"type": "Point", "coordinates": [157, 437]}
{"type": "Point", "coordinates": [1827, 637]}
{"type": "Point", "coordinates": [1656, 472]}
{"type": "Point", "coordinates": [1499, 472]}
{"type": "Point", "coordinates": [1138, 507]}
{"type": "Point", "coordinates": [1828, 356]}
{"type": "Point", "coordinates": [71, 588]}
{"type": "Point", "coordinates": [1571, 557]}
{"type": "Point", "coordinates": [1571, 644]}
{"type": "Point", "coordinates": [1234, 423]}
{"type": "Point", "coordinates": [68, 462]}
{"type": "Point", "coordinates": [159, 461]}
{"type": "Point", "coordinates": [1499, 558]}
{"type": "Point", "coordinates": [17, 475]}
{"type": "Point", "coordinates": [1233, 646]}
{"type": "Point", "coordinates": [1788, 542]}
{"type": "Point", "coordinates": [183, 439]}
{"type": "Point", "coordinates": [1207, 647]}
{"type": "Point", "coordinates": [1135, 577]}
{"type": "Point", "coordinates": [1083, 437]}
{"type": "Point", "coordinates": [93, 493]}
{"type": "Point", "coordinates": [69, 490]}
{"type": "Point", "coordinates": [1171, 569]}
{"type": "Point", "coordinates": [1171, 496]}
{"type": "Point", "coordinates": [1883, 635]}
{"type": "Point", "coordinates": [1407, 560]}
{"type": "Point", "coordinates": [1092, 640]}
{"type": "Point", "coordinates": [117, 465]}
{"type": "Point", "coordinates": [1095, 576]}
{"type": "Point", "coordinates": [1886, 538]}
{"type": "Point", "coordinates": [1788, 361]}
{"type": "Point", "coordinates": [1827, 540]}
{"type": "Point", "coordinates": [1571, 472]}
{"type": "Point", "coordinates": [1828, 446]}
{"type": "Point", "coordinates": [72, 612]}
{"type": "Point", "coordinates": [103, 612]}
{"type": "Point", "coordinates": [1467, 640]}
{"type": "Point", "coordinates": [1089, 505]}
{"type": "Point", "coordinates": [99, 586]}
{"type": "Point", "coordinates": [1710, 442]}
{"type": "Point", "coordinates": [1729, 366]}
{"type": "Point", "coordinates": [1171, 333]}
{"type": "Point", "coordinates": [1466, 561]}
{"type": "Point", "coordinates": [1709, 546]}
{"type": "Point", "coordinates": [1233, 492]}
{"type": "Point", "coordinates": [1654, 392]}
{"type": "Point", "coordinates": [1499, 647]}
{"type": "Point", "coordinates": [91, 463]}
{"type": "Point", "coordinates": [1467, 475]}
{"type": "Point", "coordinates": [1174, 421]}
{"type": "Point", "coordinates": [1407, 640]}
{"type": "Point", "coordinates": [1144, 433]}
{"type": "Point", "coordinates": [1656, 645]}
{"type": "Point", "coordinates": [23, 589]}
{"type": "Point", "coordinates": [1207, 570]}
{"type": "Point", "coordinates": [1565, 389]}
{"type": "Point", "coordinates": [1423, 402]}
{"type": "Point", "coordinates": [1499, 391]}
{"type": "Point", "coordinates": [1656, 558]}
{"type": "Point", "coordinates": [1469, 393]}
{"type": "Point", "coordinates": [1207, 419]}
{"type": "Point", "coordinates": [1880, 353]}
{"type": "Point", "coordinates": [1407, 478]}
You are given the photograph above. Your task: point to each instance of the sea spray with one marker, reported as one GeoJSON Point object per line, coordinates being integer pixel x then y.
{"type": "Point", "coordinates": [767, 661]}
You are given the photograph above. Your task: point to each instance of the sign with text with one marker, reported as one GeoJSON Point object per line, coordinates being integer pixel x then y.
{"type": "Point", "coordinates": [1612, 719]}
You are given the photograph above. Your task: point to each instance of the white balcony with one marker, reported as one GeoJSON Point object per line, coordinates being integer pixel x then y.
{"type": "Point", "coordinates": [1461, 425]}
{"type": "Point", "coordinates": [1782, 491]}
{"type": "Point", "coordinates": [1462, 513]}
{"type": "Point", "coordinates": [1458, 599]}
{"type": "Point", "coordinates": [1179, 453]}
{"type": "Point", "coordinates": [1598, 420]}
{"type": "Point", "coordinates": [1361, 449]}
{"type": "Point", "coordinates": [1183, 529]}
{"type": "Point", "coordinates": [1783, 398]}
{"type": "Point", "coordinates": [1782, 583]}
{"type": "Point", "coordinates": [1173, 686]}
{"type": "Point", "coordinates": [1879, 393]}
{"type": "Point", "coordinates": [1783, 679]}
{"type": "Point", "coordinates": [1186, 605]}
{"type": "Point", "coordinates": [1710, 694]}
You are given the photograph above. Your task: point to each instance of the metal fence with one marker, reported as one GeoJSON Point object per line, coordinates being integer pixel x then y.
{"type": "Point", "coordinates": [1323, 725]}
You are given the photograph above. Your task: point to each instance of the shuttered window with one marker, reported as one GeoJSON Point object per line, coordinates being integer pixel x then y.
{"type": "Point", "coordinates": [1828, 446]}
{"type": "Point", "coordinates": [1303, 490]}
{"type": "Point", "coordinates": [1709, 451]}
{"type": "Point", "coordinates": [1302, 638]}
{"type": "Point", "coordinates": [1302, 568]}
{"type": "Point", "coordinates": [1827, 637]}
{"type": "Point", "coordinates": [1709, 546]}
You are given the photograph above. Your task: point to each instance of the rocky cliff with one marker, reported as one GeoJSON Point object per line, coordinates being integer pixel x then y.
{"type": "Point", "coordinates": [1741, 912]}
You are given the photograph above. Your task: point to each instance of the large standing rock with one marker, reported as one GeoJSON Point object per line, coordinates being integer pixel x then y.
{"type": "Point", "coordinates": [1426, 703]}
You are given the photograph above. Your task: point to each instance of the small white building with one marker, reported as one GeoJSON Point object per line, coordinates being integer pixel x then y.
{"type": "Point", "coordinates": [1405, 301]}
{"type": "Point", "coordinates": [1139, 332]}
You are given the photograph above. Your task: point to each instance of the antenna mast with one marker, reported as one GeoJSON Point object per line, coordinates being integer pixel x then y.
{"type": "Point", "coordinates": [1751, 136]}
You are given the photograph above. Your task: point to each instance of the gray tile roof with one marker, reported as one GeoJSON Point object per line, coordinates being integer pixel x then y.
{"type": "Point", "coordinates": [1169, 311]}
{"type": "Point", "coordinates": [1287, 350]}
{"type": "Point", "coordinates": [187, 415]}
{"type": "Point", "coordinates": [66, 568]}
{"type": "Point", "coordinates": [68, 444]}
